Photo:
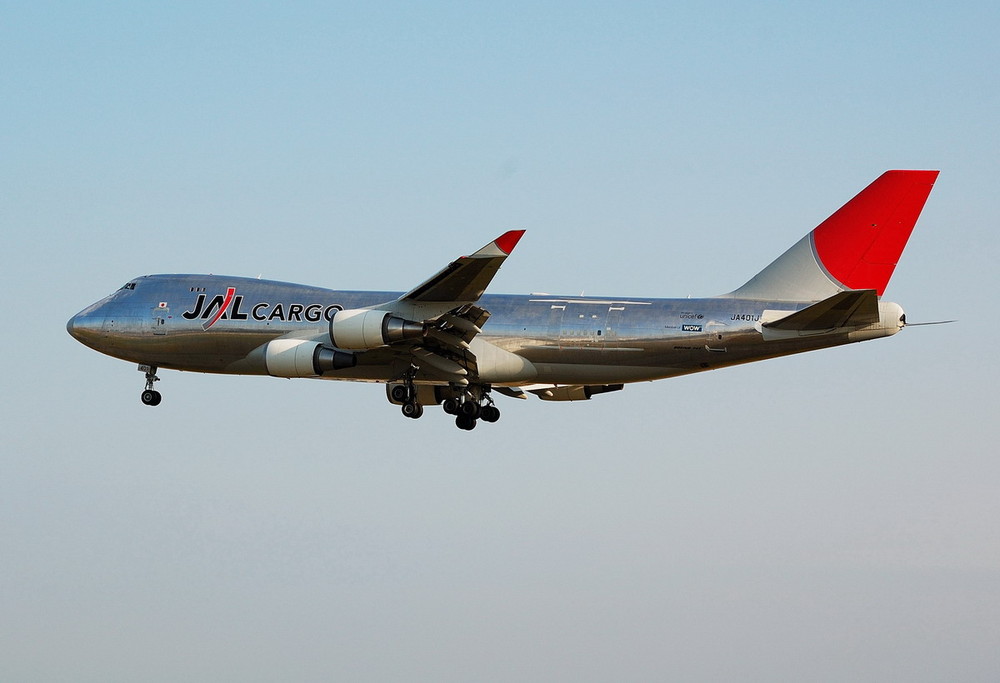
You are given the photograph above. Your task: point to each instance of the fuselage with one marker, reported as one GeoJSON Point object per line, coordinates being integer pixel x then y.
{"type": "Point", "coordinates": [446, 342]}
{"type": "Point", "coordinates": [221, 324]}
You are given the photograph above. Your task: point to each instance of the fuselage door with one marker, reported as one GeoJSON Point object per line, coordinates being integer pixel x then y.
{"type": "Point", "coordinates": [556, 313]}
{"type": "Point", "coordinates": [612, 324]}
{"type": "Point", "coordinates": [160, 316]}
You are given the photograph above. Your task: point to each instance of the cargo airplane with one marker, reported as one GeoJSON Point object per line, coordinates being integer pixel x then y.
{"type": "Point", "coordinates": [446, 342]}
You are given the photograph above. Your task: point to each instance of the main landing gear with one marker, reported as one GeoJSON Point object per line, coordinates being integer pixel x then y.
{"type": "Point", "coordinates": [467, 409]}
{"type": "Point", "coordinates": [468, 404]}
{"type": "Point", "coordinates": [407, 395]}
{"type": "Point", "coordinates": [150, 396]}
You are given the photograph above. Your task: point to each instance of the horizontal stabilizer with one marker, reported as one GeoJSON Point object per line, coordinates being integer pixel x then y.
{"type": "Point", "coordinates": [853, 308]}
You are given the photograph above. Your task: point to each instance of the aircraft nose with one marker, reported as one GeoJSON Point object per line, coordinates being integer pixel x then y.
{"type": "Point", "coordinates": [85, 328]}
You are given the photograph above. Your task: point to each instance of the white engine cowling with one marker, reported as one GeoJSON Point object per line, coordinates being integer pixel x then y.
{"type": "Point", "coordinates": [301, 358]}
{"type": "Point", "coordinates": [359, 329]}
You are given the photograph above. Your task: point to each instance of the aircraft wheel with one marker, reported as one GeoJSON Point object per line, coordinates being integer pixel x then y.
{"type": "Point", "coordinates": [451, 406]}
{"type": "Point", "coordinates": [413, 410]}
{"type": "Point", "coordinates": [465, 422]}
{"type": "Point", "coordinates": [150, 397]}
{"type": "Point", "coordinates": [399, 393]}
{"type": "Point", "coordinates": [490, 414]}
{"type": "Point", "coordinates": [470, 409]}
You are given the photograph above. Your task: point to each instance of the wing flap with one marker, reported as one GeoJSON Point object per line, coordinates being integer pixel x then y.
{"type": "Point", "coordinates": [572, 392]}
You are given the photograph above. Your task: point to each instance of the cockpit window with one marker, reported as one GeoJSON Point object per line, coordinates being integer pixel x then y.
{"type": "Point", "coordinates": [128, 285]}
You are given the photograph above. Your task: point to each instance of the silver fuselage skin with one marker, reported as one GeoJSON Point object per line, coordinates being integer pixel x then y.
{"type": "Point", "coordinates": [173, 321]}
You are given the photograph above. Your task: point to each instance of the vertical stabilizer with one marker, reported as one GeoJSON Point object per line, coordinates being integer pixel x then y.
{"type": "Point", "coordinates": [855, 248]}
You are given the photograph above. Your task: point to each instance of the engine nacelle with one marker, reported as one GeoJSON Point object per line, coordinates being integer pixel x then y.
{"type": "Point", "coordinates": [302, 358]}
{"type": "Point", "coordinates": [369, 329]}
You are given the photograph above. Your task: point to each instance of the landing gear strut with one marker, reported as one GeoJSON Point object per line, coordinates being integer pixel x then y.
{"type": "Point", "coordinates": [406, 394]}
{"type": "Point", "coordinates": [150, 396]}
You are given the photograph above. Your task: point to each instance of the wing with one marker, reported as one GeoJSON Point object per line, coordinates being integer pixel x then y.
{"type": "Point", "coordinates": [445, 307]}
{"type": "Point", "coordinates": [465, 279]}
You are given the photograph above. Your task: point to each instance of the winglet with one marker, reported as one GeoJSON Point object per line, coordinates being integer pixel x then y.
{"type": "Point", "coordinates": [501, 246]}
{"type": "Point", "coordinates": [508, 240]}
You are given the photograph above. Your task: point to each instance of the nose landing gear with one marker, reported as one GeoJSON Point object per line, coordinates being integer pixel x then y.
{"type": "Point", "coordinates": [150, 396]}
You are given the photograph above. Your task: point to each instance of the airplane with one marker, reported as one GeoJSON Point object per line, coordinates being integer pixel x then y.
{"type": "Point", "coordinates": [445, 342]}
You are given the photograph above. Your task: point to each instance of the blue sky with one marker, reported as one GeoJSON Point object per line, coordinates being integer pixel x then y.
{"type": "Point", "coordinates": [823, 517]}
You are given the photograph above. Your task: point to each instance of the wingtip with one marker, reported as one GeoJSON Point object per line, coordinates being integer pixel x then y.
{"type": "Point", "coordinates": [507, 241]}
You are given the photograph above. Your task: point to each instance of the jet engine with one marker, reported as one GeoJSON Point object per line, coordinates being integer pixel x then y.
{"type": "Point", "coordinates": [302, 358]}
{"type": "Point", "coordinates": [360, 329]}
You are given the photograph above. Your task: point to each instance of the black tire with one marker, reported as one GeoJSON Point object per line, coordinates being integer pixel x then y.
{"type": "Point", "coordinates": [156, 398]}
{"type": "Point", "coordinates": [148, 397]}
{"type": "Point", "coordinates": [490, 414]}
{"type": "Point", "coordinates": [450, 406]}
{"type": "Point", "coordinates": [399, 393]}
{"type": "Point", "coordinates": [412, 410]}
{"type": "Point", "coordinates": [471, 409]}
{"type": "Point", "coordinates": [465, 422]}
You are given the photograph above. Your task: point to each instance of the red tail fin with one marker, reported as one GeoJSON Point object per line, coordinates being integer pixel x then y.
{"type": "Point", "coordinates": [855, 248]}
{"type": "Point", "coordinates": [860, 244]}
